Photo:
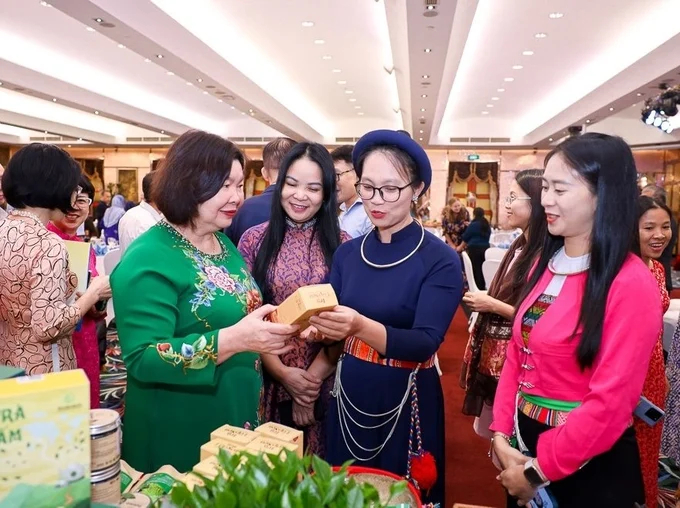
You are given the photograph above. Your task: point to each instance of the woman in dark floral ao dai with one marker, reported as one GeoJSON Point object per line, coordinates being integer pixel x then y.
{"type": "Point", "coordinates": [295, 249]}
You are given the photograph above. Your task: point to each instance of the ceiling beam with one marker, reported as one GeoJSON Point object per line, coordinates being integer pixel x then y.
{"type": "Point", "coordinates": [41, 125]}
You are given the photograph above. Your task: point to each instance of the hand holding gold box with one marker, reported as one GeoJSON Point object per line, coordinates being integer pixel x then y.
{"type": "Point", "coordinates": [304, 303]}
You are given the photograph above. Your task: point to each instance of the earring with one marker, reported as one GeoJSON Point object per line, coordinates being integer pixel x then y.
{"type": "Point", "coordinates": [415, 199]}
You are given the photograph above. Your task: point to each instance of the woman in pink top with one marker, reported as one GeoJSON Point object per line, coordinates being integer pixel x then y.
{"type": "Point", "coordinates": [582, 339]}
{"type": "Point", "coordinates": [85, 335]}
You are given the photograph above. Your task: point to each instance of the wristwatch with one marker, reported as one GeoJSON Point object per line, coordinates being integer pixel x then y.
{"type": "Point", "coordinates": [533, 475]}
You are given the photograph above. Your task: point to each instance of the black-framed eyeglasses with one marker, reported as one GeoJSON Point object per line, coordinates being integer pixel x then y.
{"type": "Point", "coordinates": [388, 193]}
{"type": "Point", "coordinates": [338, 175]}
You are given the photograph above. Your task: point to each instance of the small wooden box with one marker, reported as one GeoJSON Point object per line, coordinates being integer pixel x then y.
{"type": "Point", "coordinates": [282, 433]}
{"type": "Point", "coordinates": [235, 435]}
{"type": "Point", "coordinates": [212, 448]}
{"type": "Point", "coordinates": [306, 302]}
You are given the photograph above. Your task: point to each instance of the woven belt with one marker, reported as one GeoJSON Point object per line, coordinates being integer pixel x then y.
{"type": "Point", "coordinates": [550, 417]}
{"type": "Point", "coordinates": [359, 349]}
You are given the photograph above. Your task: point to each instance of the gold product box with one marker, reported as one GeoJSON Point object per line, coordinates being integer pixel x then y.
{"type": "Point", "coordinates": [282, 433]}
{"type": "Point", "coordinates": [212, 448]}
{"type": "Point", "coordinates": [45, 440]}
{"type": "Point", "coordinates": [209, 467]}
{"type": "Point", "coordinates": [306, 302]}
{"type": "Point", "coordinates": [235, 435]}
{"type": "Point", "coordinates": [267, 445]}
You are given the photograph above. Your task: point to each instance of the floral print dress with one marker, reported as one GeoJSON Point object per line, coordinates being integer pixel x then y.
{"type": "Point", "coordinates": [300, 263]}
{"type": "Point", "coordinates": [171, 301]}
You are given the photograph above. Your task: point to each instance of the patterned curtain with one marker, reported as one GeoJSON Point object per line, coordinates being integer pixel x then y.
{"type": "Point", "coordinates": [479, 179]}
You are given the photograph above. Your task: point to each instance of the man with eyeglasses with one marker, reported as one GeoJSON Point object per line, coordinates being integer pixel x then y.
{"type": "Point", "coordinates": [352, 217]}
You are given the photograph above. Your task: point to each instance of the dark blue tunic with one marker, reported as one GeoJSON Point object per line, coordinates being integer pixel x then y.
{"type": "Point", "coordinates": [416, 301]}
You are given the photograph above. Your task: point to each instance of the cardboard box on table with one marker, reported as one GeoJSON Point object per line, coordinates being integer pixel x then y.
{"type": "Point", "coordinates": [45, 440]}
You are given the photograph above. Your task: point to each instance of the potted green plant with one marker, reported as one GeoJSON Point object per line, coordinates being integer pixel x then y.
{"type": "Point", "coordinates": [258, 481]}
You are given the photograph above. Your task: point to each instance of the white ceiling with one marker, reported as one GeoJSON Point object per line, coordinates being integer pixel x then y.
{"type": "Point", "coordinates": [251, 70]}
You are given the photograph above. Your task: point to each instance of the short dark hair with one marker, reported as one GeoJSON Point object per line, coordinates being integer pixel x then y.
{"type": "Point", "coordinates": [274, 152]}
{"type": "Point", "coordinates": [195, 168]}
{"type": "Point", "coordinates": [87, 186]}
{"type": "Point", "coordinates": [343, 154]}
{"type": "Point", "coordinates": [658, 193]}
{"type": "Point", "coordinates": [147, 186]}
{"type": "Point", "coordinates": [42, 176]}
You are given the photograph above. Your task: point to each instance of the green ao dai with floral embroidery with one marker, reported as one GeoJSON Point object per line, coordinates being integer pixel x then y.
{"type": "Point", "coordinates": [170, 302]}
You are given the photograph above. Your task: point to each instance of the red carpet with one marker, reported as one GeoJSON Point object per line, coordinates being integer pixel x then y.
{"type": "Point", "coordinates": [470, 476]}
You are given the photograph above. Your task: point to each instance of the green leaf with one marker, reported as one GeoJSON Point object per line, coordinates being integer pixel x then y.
{"type": "Point", "coordinates": [198, 362]}
{"type": "Point", "coordinates": [321, 468]}
{"type": "Point", "coordinates": [334, 487]}
{"type": "Point", "coordinates": [200, 344]}
{"type": "Point", "coordinates": [355, 498]}
{"type": "Point", "coordinates": [285, 500]}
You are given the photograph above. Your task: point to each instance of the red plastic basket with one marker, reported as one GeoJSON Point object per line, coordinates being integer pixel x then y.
{"type": "Point", "coordinates": [354, 470]}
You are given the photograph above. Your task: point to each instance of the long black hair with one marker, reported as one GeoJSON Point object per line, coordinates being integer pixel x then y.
{"type": "Point", "coordinates": [607, 166]}
{"type": "Point", "coordinates": [531, 242]}
{"type": "Point", "coordinates": [326, 228]}
{"type": "Point", "coordinates": [478, 214]}
{"type": "Point", "coordinates": [645, 203]}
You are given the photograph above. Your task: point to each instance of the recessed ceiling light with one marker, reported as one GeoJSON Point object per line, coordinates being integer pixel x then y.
{"type": "Point", "coordinates": [527, 53]}
{"type": "Point", "coordinates": [424, 96]}
{"type": "Point", "coordinates": [170, 73]}
{"type": "Point", "coordinates": [96, 112]}
{"type": "Point", "coordinates": [250, 110]}
{"type": "Point", "coordinates": [430, 7]}
{"type": "Point", "coordinates": [342, 82]}
{"type": "Point", "coordinates": [90, 29]}
{"type": "Point", "coordinates": [549, 139]}
{"type": "Point", "coordinates": [45, 4]}
{"type": "Point", "coordinates": [422, 110]}
{"type": "Point", "coordinates": [639, 94]}
{"type": "Point", "coordinates": [428, 50]}
{"type": "Point", "coordinates": [555, 15]}
{"type": "Point", "coordinates": [146, 60]}
{"type": "Point", "coordinates": [352, 100]}
{"type": "Point", "coordinates": [243, 113]}
{"type": "Point", "coordinates": [200, 80]}
{"type": "Point", "coordinates": [485, 112]}
{"type": "Point", "coordinates": [80, 139]}
{"type": "Point", "coordinates": [611, 109]}
{"type": "Point", "coordinates": [509, 79]}
{"type": "Point", "coordinates": [349, 92]}
{"type": "Point", "coordinates": [220, 100]}
{"type": "Point", "coordinates": [421, 131]}
{"type": "Point", "coordinates": [307, 24]}
{"type": "Point", "coordinates": [46, 132]}
{"type": "Point", "coordinates": [425, 76]}
{"type": "Point", "coordinates": [233, 107]}
{"type": "Point", "coordinates": [99, 20]}
{"type": "Point", "coordinates": [159, 56]}
{"type": "Point", "coordinates": [69, 146]}
{"type": "Point", "coordinates": [252, 114]}
{"type": "Point", "coordinates": [420, 139]}
{"type": "Point", "coordinates": [489, 105]}
{"type": "Point", "coordinates": [54, 100]}
{"type": "Point", "coordinates": [336, 70]}
{"type": "Point", "coordinates": [357, 107]}
{"type": "Point", "coordinates": [327, 57]}
{"type": "Point", "coordinates": [518, 67]}
{"type": "Point", "coordinates": [319, 41]}
{"type": "Point", "coordinates": [495, 98]}
{"type": "Point", "coordinates": [121, 46]}
{"type": "Point", "coordinates": [588, 121]}
{"type": "Point", "coordinates": [162, 132]}
{"type": "Point", "coordinates": [500, 90]}
{"type": "Point", "coordinates": [541, 35]}
{"type": "Point", "coordinates": [190, 83]}
{"type": "Point", "coordinates": [205, 93]}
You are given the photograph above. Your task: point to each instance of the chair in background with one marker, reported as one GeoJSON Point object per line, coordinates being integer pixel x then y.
{"type": "Point", "coordinates": [467, 265]}
{"type": "Point", "coordinates": [489, 269]}
{"type": "Point", "coordinates": [495, 253]}
{"type": "Point", "coordinates": [111, 259]}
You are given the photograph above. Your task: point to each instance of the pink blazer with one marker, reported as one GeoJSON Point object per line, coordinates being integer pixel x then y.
{"type": "Point", "coordinates": [608, 392]}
